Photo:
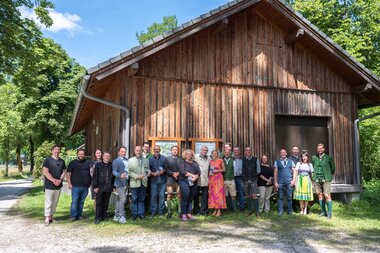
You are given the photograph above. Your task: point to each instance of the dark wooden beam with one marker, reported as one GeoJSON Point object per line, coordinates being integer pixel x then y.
{"type": "Point", "coordinates": [294, 36]}
{"type": "Point", "coordinates": [361, 88]}
{"type": "Point", "coordinates": [223, 25]}
{"type": "Point", "coordinates": [132, 70]}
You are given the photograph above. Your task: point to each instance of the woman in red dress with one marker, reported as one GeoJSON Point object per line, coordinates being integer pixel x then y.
{"type": "Point", "coordinates": [216, 194]}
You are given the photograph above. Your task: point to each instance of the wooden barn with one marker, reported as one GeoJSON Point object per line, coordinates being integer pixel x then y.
{"type": "Point", "coordinates": [253, 73]}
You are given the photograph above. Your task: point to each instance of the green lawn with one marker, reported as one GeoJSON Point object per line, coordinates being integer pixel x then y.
{"type": "Point", "coordinates": [13, 173]}
{"type": "Point", "coordinates": [359, 219]}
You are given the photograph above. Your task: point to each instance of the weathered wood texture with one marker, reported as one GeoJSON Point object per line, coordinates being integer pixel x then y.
{"type": "Point", "coordinates": [230, 84]}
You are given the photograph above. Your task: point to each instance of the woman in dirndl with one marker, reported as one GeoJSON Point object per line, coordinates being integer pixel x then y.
{"type": "Point", "coordinates": [304, 188]}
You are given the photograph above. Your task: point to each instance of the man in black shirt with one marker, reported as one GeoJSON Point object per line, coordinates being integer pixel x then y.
{"type": "Point", "coordinates": [54, 171]}
{"type": "Point", "coordinates": [79, 180]}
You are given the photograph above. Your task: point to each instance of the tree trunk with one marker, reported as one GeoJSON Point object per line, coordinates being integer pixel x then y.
{"type": "Point", "coordinates": [31, 145]}
{"type": "Point", "coordinates": [6, 142]}
{"type": "Point", "coordinates": [18, 158]}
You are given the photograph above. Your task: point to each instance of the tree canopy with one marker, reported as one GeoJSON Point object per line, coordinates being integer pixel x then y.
{"type": "Point", "coordinates": [156, 29]}
{"type": "Point", "coordinates": [38, 82]}
{"type": "Point", "coordinates": [19, 34]}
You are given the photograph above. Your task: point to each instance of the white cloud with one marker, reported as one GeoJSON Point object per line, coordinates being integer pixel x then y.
{"type": "Point", "coordinates": [61, 21]}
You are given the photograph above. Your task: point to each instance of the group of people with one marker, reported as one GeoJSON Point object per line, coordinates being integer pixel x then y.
{"type": "Point", "coordinates": [199, 181]}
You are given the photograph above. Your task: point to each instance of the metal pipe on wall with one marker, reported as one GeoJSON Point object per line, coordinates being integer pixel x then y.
{"type": "Point", "coordinates": [125, 135]}
{"type": "Point", "coordinates": [357, 143]}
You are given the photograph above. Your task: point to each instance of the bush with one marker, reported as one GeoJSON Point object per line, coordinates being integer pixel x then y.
{"type": "Point", "coordinates": [371, 191]}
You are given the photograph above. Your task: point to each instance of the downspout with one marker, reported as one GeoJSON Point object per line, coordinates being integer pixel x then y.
{"type": "Point", "coordinates": [125, 135]}
{"type": "Point", "coordinates": [357, 143]}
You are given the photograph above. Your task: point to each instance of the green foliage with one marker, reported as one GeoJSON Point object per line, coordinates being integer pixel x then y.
{"type": "Point", "coordinates": [10, 121]}
{"type": "Point", "coordinates": [370, 144]}
{"type": "Point", "coordinates": [18, 34]}
{"type": "Point", "coordinates": [48, 84]}
{"type": "Point", "coordinates": [353, 24]}
{"type": "Point", "coordinates": [156, 29]}
{"type": "Point", "coordinates": [371, 192]}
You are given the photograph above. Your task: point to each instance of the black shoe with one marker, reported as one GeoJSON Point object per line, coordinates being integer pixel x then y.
{"type": "Point", "coordinates": [97, 222]}
{"type": "Point", "coordinates": [141, 217]}
{"type": "Point", "coordinates": [134, 218]}
{"type": "Point", "coordinates": [257, 215]}
{"type": "Point", "coordinates": [250, 213]}
{"type": "Point", "coordinates": [169, 215]}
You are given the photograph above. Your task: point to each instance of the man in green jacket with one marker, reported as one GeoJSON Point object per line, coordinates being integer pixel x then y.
{"type": "Point", "coordinates": [324, 169]}
{"type": "Point", "coordinates": [229, 179]}
{"type": "Point", "coordinates": [138, 172]}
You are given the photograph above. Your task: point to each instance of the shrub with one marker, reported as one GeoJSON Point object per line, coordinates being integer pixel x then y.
{"type": "Point", "coordinates": [371, 191]}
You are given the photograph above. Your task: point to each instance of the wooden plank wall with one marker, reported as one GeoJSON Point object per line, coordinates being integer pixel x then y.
{"type": "Point", "coordinates": [107, 120]}
{"type": "Point", "coordinates": [249, 51]}
{"type": "Point", "coordinates": [230, 85]}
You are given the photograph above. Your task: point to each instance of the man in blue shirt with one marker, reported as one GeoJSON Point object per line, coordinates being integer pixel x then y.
{"type": "Point", "coordinates": [238, 170]}
{"type": "Point", "coordinates": [157, 182]}
{"type": "Point", "coordinates": [284, 180]}
{"type": "Point", "coordinates": [120, 171]}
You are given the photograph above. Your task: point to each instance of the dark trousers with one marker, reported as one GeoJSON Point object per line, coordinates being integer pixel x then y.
{"type": "Point", "coordinates": [187, 195]}
{"type": "Point", "coordinates": [102, 201]}
{"type": "Point", "coordinates": [202, 192]}
{"type": "Point", "coordinates": [138, 201]}
{"type": "Point", "coordinates": [284, 190]}
{"type": "Point", "coordinates": [240, 191]}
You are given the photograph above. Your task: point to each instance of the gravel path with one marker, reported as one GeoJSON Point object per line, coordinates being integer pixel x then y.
{"type": "Point", "coordinates": [18, 234]}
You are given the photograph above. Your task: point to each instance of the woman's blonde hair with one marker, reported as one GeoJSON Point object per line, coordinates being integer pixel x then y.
{"type": "Point", "coordinates": [184, 154]}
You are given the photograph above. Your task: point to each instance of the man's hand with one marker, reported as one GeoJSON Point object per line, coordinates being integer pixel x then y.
{"type": "Point", "coordinates": [176, 175]}
{"type": "Point", "coordinates": [123, 175]}
{"type": "Point", "coordinates": [57, 182]}
{"type": "Point", "coordinates": [96, 190]}
{"type": "Point", "coordinates": [194, 178]}
{"type": "Point", "coordinates": [140, 177]}
{"type": "Point", "coordinates": [292, 183]}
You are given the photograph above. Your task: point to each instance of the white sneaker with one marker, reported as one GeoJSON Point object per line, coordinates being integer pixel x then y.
{"type": "Point", "coordinates": [116, 218]}
{"type": "Point", "coordinates": [122, 220]}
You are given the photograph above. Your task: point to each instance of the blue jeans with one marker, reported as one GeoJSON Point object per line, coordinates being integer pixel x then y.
{"type": "Point", "coordinates": [284, 189]}
{"type": "Point", "coordinates": [78, 196]}
{"type": "Point", "coordinates": [138, 198]}
{"type": "Point", "coordinates": [187, 195]}
{"type": "Point", "coordinates": [157, 190]}
{"type": "Point", "coordinates": [240, 191]}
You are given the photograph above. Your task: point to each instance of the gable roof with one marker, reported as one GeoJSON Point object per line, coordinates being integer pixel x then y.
{"type": "Point", "coordinates": [276, 10]}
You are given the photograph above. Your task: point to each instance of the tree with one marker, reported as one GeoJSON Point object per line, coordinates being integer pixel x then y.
{"type": "Point", "coordinates": [48, 84]}
{"type": "Point", "coordinates": [18, 34]}
{"type": "Point", "coordinates": [354, 25]}
{"type": "Point", "coordinates": [156, 29]}
{"type": "Point", "coordinates": [10, 121]}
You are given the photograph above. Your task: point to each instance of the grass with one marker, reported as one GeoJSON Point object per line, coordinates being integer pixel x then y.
{"type": "Point", "coordinates": [13, 173]}
{"type": "Point", "coordinates": [358, 219]}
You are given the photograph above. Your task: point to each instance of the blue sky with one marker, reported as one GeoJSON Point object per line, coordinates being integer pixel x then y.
{"type": "Point", "coordinates": [92, 31]}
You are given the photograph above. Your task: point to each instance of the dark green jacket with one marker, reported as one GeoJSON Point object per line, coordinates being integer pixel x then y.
{"type": "Point", "coordinates": [229, 173]}
{"type": "Point", "coordinates": [326, 164]}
